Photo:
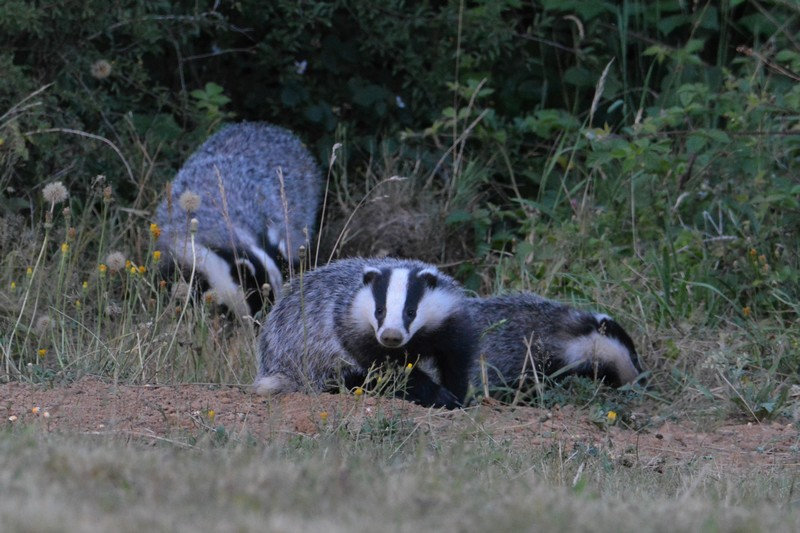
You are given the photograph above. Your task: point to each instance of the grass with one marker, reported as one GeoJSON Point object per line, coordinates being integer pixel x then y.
{"type": "Point", "coordinates": [50, 482]}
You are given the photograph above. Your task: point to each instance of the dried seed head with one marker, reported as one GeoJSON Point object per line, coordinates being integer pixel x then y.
{"type": "Point", "coordinates": [180, 290]}
{"type": "Point", "coordinates": [101, 69]}
{"type": "Point", "coordinates": [55, 193]}
{"type": "Point", "coordinates": [189, 201]}
{"type": "Point", "coordinates": [193, 225]}
{"type": "Point", "coordinates": [115, 261]}
{"type": "Point", "coordinates": [43, 324]}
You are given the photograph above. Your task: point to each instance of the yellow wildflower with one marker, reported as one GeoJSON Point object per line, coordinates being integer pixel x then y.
{"type": "Point", "coordinates": [156, 255]}
{"type": "Point", "coordinates": [753, 253]}
{"type": "Point", "coordinates": [142, 269]}
{"type": "Point", "coordinates": [85, 285]}
{"type": "Point", "coordinates": [128, 263]}
{"type": "Point", "coordinates": [13, 285]}
{"type": "Point", "coordinates": [77, 304]}
{"type": "Point", "coordinates": [746, 311]}
{"type": "Point", "coordinates": [42, 352]}
{"type": "Point", "coordinates": [155, 231]}
{"type": "Point", "coordinates": [133, 269]}
{"type": "Point", "coordinates": [64, 247]}
{"type": "Point", "coordinates": [324, 416]}
{"type": "Point", "coordinates": [408, 368]}
{"type": "Point", "coordinates": [102, 268]}
{"type": "Point", "coordinates": [211, 415]}
{"type": "Point", "coordinates": [612, 416]}
{"type": "Point", "coordinates": [359, 391]}
{"type": "Point", "coordinates": [29, 272]}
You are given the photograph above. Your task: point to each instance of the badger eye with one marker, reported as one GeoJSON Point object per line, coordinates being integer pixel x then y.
{"type": "Point", "coordinates": [411, 313]}
{"type": "Point", "coordinates": [380, 311]}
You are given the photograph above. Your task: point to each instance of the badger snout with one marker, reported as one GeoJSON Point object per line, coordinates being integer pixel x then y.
{"type": "Point", "coordinates": [391, 338]}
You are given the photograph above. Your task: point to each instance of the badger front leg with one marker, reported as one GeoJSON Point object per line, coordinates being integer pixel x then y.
{"type": "Point", "coordinates": [421, 389]}
{"type": "Point", "coordinates": [454, 354]}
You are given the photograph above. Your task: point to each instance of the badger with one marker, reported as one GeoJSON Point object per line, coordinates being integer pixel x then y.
{"type": "Point", "coordinates": [345, 318]}
{"type": "Point", "coordinates": [250, 226]}
{"type": "Point", "coordinates": [560, 338]}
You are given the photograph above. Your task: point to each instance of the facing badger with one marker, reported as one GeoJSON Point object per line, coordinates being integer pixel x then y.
{"type": "Point", "coordinates": [231, 186]}
{"type": "Point", "coordinates": [590, 344]}
{"type": "Point", "coordinates": [356, 313]}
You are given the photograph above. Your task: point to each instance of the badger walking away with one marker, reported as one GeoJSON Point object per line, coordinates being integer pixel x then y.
{"type": "Point", "coordinates": [557, 337]}
{"type": "Point", "coordinates": [343, 319]}
{"type": "Point", "coordinates": [250, 226]}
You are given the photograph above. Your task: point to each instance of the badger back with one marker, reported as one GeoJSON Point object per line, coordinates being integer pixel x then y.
{"type": "Point", "coordinates": [255, 192]}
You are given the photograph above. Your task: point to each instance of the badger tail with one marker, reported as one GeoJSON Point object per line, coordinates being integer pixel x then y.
{"type": "Point", "coordinates": [272, 384]}
{"type": "Point", "coordinates": [600, 347]}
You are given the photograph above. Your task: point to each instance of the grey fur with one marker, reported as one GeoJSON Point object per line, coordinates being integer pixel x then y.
{"type": "Point", "coordinates": [243, 160]}
{"type": "Point", "coordinates": [507, 322]}
{"type": "Point", "coordinates": [301, 346]}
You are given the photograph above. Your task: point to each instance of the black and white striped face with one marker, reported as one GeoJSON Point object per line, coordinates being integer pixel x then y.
{"type": "Point", "coordinates": [396, 303]}
{"type": "Point", "coordinates": [605, 343]}
{"type": "Point", "coordinates": [236, 278]}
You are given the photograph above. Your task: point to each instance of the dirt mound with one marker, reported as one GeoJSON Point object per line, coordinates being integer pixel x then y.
{"type": "Point", "coordinates": [181, 413]}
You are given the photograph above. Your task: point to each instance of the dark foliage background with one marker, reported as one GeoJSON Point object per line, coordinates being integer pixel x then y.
{"type": "Point", "coordinates": [690, 135]}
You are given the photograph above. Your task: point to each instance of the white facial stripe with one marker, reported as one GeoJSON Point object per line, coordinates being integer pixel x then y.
{"type": "Point", "coordinates": [434, 307]}
{"type": "Point", "coordinates": [599, 348]}
{"type": "Point", "coordinates": [218, 273]}
{"type": "Point", "coordinates": [247, 264]}
{"type": "Point", "coordinates": [363, 310]}
{"type": "Point", "coordinates": [274, 235]}
{"type": "Point", "coordinates": [396, 300]}
{"type": "Point", "coordinates": [273, 272]}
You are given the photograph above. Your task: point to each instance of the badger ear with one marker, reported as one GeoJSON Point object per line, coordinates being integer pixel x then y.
{"type": "Point", "coordinates": [430, 276]}
{"type": "Point", "coordinates": [370, 274]}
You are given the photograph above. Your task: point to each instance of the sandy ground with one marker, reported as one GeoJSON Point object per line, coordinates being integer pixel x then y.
{"type": "Point", "coordinates": [181, 414]}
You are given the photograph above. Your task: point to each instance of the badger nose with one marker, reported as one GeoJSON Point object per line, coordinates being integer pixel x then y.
{"type": "Point", "coordinates": [391, 337]}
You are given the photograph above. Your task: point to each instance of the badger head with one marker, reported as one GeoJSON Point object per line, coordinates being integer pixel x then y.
{"type": "Point", "coordinates": [396, 303]}
{"type": "Point", "coordinates": [235, 276]}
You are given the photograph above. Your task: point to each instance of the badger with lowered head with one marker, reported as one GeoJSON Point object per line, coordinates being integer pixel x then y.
{"type": "Point", "coordinates": [246, 234]}
{"type": "Point", "coordinates": [560, 337]}
{"type": "Point", "coordinates": [342, 319]}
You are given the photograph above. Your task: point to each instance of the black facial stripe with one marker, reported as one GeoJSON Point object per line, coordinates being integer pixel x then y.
{"type": "Point", "coordinates": [380, 286]}
{"type": "Point", "coordinates": [414, 293]}
{"type": "Point", "coordinates": [244, 276]}
{"type": "Point", "coordinates": [277, 256]}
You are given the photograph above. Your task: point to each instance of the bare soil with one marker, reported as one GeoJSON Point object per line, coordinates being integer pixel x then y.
{"type": "Point", "coordinates": [181, 414]}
